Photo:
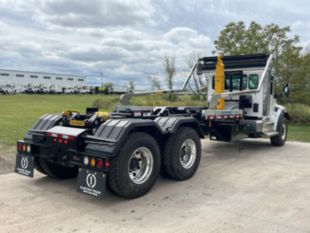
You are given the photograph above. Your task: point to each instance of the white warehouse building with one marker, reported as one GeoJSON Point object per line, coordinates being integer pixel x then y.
{"type": "Point", "coordinates": [26, 78]}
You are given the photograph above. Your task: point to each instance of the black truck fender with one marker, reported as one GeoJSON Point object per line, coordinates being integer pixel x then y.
{"type": "Point", "coordinates": [44, 123]}
{"type": "Point", "coordinates": [110, 136]}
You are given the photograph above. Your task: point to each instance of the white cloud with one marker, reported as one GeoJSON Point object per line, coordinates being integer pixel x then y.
{"type": "Point", "coordinates": [96, 13]}
{"type": "Point", "coordinates": [126, 39]}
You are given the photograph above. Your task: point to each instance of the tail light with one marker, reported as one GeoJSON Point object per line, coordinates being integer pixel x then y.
{"type": "Point", "coordinates": [99, 163]}
{"type": "Point", "coordinates": [23, 148]}
{"type": "Point", "coordinates": [86, 160]}
{"type": "Point", "coordinates": [92, 162]}
{"type": "Point", "coordinates": [60, 138]}
{"type": "Point", "coordinates": [95, 162]}
{"type": "Point", "coordinates": [19, 146]}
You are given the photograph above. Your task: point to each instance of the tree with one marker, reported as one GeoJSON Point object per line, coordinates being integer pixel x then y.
{"type": "Point", "coordinates": [300, 88]}
{"type": "Point", "coordinates": [131, 86]}
{"type": "Point", "coordinates": [236, 39]}
{"type": "Point", "coordinates": [106, 88]}
{"type": "Point", "coordinates": [155, 82]}
{"type": "Point", "coordinates": [170, 70]}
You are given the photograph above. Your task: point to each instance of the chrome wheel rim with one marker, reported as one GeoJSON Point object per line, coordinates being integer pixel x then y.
{"type": "Point", "coordinates": [283, 131]}
{"type": "Point", "coordinates": [140, 165]}
{"type": "Point", "coordinates": [188, 153]}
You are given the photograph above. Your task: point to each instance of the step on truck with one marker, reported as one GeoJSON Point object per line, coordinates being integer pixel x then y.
{"type": "Point", "coordinates": [127, 148]}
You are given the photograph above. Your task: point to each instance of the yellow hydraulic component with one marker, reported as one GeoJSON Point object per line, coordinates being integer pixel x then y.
{"type": "Point", "coordinates": [219, 81]}
{"type": "Point", "coordinates": [78, 123]}
{"type": "Point", "coordinates": [68, 113]}
{"type": "Point", "coordinates": [103, 115]}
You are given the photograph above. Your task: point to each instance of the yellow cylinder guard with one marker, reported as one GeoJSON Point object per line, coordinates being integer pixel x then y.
{"type": "Point", "coordinates": [219, 81]}
{"type": "Point", "coordinates": [103, 115]}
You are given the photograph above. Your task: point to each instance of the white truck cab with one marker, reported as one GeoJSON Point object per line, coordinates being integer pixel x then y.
{"type": "Point", "coordinates": [248, 92]}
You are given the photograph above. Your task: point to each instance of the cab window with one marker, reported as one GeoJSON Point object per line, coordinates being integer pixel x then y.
{"type": "Point", "coordinates": [233, 81]}
{"type": "Point", "coordinates": [253, 81]}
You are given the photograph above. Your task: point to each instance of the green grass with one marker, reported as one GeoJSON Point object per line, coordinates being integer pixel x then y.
{"type": "Point", "coordinates": [299, 133]}
{"type": "Point", "coordinates": [19, 112]}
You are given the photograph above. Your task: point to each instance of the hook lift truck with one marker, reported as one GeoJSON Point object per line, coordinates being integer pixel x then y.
{"type": "Point", "coordinates": [127, 148]}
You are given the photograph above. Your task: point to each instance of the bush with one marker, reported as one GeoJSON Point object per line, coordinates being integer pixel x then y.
{"type": "Point", "coordinates": [171, 97]}
{"type": "Point", "coordinates": [105, 103]}
{"type": "Point", "coordinates": [299, 113]}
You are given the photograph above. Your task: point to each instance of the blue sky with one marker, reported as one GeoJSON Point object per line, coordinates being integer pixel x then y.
{"type": "Point", "coordinates": [127, 39]}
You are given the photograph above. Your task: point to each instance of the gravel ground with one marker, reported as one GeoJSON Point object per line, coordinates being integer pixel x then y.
{"type": "Point", "coordinates": [7, 159]}
{"type": "Point", "coordinates": [240, 187]}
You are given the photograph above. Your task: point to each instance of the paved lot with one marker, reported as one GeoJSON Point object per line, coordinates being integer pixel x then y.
{"type": "Point", "coordinates": [243, 187]}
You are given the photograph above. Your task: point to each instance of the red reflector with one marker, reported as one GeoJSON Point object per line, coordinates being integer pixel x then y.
{"type": "Point", "coordinates": [99, 163]}
{"type": "Point", "coordinates": [71, 138]}
{"type": "Point", "coordinates": [107, 164]}
{"type": "Point", "coordinates": [19, 146]}
{"type": "Point", "coordinates": [49, 134]}
{"type": "Point", "coordinates": [59, 135]}
{"type": "Point", "coordinates": [66, 142]}
{"type": "Point", "coordinates": [60, 140]}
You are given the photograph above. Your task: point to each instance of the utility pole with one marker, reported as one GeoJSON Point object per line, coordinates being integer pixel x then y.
{"type": "Point", "coordinates": [101, 75]}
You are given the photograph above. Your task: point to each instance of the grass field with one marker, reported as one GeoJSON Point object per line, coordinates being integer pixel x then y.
{"type": "Point", "coordinates": [19, 112]}
{"type": "Point", "coordinates": [298, 132]}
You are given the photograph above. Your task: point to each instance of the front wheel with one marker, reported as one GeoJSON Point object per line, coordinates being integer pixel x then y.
{"type": "Point", "coordinates": [282, 129]}
{"type": "Point", "coordinates": [134, 170]}
{"type": "Point", "coordinates": [182, 154]}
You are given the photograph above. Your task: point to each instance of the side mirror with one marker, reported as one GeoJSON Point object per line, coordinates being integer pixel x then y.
{"type": "Point", "coordinates": [286, 90]}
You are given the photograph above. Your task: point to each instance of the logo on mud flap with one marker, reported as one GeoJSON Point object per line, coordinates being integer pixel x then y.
{"type": "Point", "coordinates": [91, 180]}
{"type": "Point", "coordinates": [24, 163]}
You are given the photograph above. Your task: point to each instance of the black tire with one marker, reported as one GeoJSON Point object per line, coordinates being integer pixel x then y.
{"type": "Point", "coordinates": [37, 166]}
{"type": "Point", "coordinates": [54, 170]}
{"type": "Point", "coordinates": [279, 140]}
{"type": "Point", "coordinates": [174, 151]}
{"type": "Point", "coordinates": [119, 178]}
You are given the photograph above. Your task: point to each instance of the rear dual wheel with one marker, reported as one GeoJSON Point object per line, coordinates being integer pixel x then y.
{"type": "Point", "coordinates": [182, 154]}
{"type": "Point", "coordinates": [134, 170]}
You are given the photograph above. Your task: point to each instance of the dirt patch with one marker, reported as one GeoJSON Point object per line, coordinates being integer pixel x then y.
{"type": "Point", "coordinates": [7, 159]}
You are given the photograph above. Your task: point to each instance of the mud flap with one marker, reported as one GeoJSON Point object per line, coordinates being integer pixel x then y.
{"type": "Point", "coordinates": [91, 183]}
{"type": "Point", "coordinates": [24, 165]}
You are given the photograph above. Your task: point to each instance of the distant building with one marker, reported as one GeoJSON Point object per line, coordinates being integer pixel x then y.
{"type": "Point", "coordinates": [26, 78]}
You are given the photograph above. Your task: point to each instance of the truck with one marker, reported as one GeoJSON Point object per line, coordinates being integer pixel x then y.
{"type": "Point", "coordinates": [127, 148]}
{"type": "Point", "coordinates": [7, 89]}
